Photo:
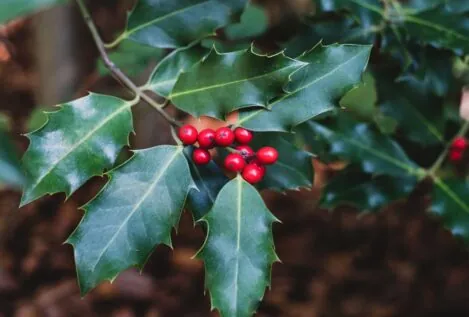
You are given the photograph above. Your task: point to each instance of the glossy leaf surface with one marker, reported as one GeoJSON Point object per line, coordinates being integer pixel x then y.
{"type": "Point", "coordinates": [313, 89]}
{"type": "Point", "coordinates": [222, 83]}
{"type": "Point", "coordinates": [173, 24]}
{"type": "Point", "coordinates": [79, 141]}
{"type": "Point", "coordinates": [239, 250]}
{"type": "Point", "coordinates": [135, 212]}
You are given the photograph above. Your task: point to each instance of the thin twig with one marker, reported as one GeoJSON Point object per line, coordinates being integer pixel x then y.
{"type": "Point", "coordinates": [436, 166]}
{"type": "Point", "coordinates": [117, 72]}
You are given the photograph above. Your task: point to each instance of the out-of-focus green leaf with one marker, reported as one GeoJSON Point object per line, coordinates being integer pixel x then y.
{"type": "Point", "coordinates": [10, 169]}
{"type": "Point", "coordinates": [361, 144]}
{"type": "Point", "coordinates": [294, 168]}
{"type": "Point", "coordinates": [10, 9]}
{"type": "Point", "coordinates": [362, 100]}
{"type": "Point", "coordinates": [418, 113]}
{"type": "Point", "coordinates": [364, 191]}
{"type": "Point", "coordinates": [132, 58]}
{"type": "Point", "coordinates": [450, 203]}
{"type": "Point", "coordinates": [254, 22]}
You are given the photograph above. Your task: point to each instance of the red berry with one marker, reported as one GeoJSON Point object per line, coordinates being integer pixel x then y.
{"type": "Point", "coordinates": [206, 138]}
{"type": "Point", "coordinates": [243, 136]}
{"type": "Point", "coordinates": [201, 156]}
{"type": "Point", "coordinates": [267, 155]}
{"type": "Point", "coordinates": [246, 151]}
{"type": "Point", "coordinates": [234, 162]}
{"type": "Point", "coordinates": [460, 143]}
{"type": "Point", "coordinates": [253, 173]}
{"type": "Point", "coordinates": [188, 134]}
{"type": "Point", "coordinates": [455, 155]}
{"type": "Point", "coordinates": [224, 137]}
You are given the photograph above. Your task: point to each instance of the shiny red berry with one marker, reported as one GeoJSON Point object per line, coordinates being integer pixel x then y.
{"type": "Point", "coordinates": [206, 138]}
{"type": "Point", "coordinates": [201, 156]}
{"type": "Point", "coordinates": [455, 155]}
{"type": "Point", "coordinates": [224, 137]}
{"type": "Point", "coordinates": [188, 134]}
{"type": "Point", "coordinates": [460, 143]}
{"type": "Point", "coordinates": [267, 155]}
{"type": "Point", "coordinates": [246, 151]}
{"type": "Point", "coordinates": [234, 162]}
{"type": "Point", "coordinates": [253, 173]}
{"type": "Point", "coordinates": [243, 136]}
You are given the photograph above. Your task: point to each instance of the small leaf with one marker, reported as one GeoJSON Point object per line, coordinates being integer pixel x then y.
{"type": "Point", "coordinates": [174, 24]}
{"type": "Point", "coordinates": [313, 90]}
{"type": "Point", "coordinates": [166, 73]}
{"type": "Point", "coordinates": [132, 58]}
{"type": "Point", "coordinates": [254, 22]}
{"type": "Point", "coordinates": [364, 191]}
{"type": "Point", "coordinates": [79, 141]}
{"type": "Point", "coordinates": [239, 250]}
{"type": "Point", "coordinates": [440, 28]}
{"type": "Point", "coordinates": [135, 212]}
{"type": "Point", "coordinates": [10, 170]}
{"type": "Point", "coordinates": [361, 144]}
{"type": "Point", "coordinates": [418, 112]}
{"type": "Point", "coordinates": [450, 203]}
{"type": "Point", "coordinates": [222, 83]}
{"type": "Point", "coordinates": [294, 168]}
{"type": "Point", "coordinates": [209, 180]}
{"type": "Point", "coordinates": [10, 9]}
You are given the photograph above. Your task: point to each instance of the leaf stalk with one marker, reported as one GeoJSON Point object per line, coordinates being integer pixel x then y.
{"type": "Point", "coordinates": [123, 78]}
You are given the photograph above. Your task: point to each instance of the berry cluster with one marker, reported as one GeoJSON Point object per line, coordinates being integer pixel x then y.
{"type": "Point", "coordinates": [242, 160]}
{"type": "Point", "coordinates": [457, 149]}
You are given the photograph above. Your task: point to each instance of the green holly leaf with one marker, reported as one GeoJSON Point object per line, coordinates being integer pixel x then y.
{"type": "Point", "coordinates": [209, 180]}
{"type": "Point", "coordinates": [364, 191]}
{"type": "Point", "coordinates": [173, 24]}
{"type": "Point", "coordinates": [457, 6]}
{"type": "Point", "coordinates": [132, 58]}
{"type": "Point", "coordinates": [239, 250]}
{"type": "Point", "coordinates": [294, 168]}
{"type": "Point", "coordinates": [450, 204]}
{"type": "Point", "coordinates": [313, 89]}
{"type": "Point", "coordinates": [135, 212]}
{"type": "Point", "coordinates": [418, 112]}
{"type": "Point", "coordinates": [423, 5]}
{"type": "Point", "coordinates": [344, 30]}
{"type": "Point", "coordinates": [440, 28]}
{"type": "Point", "coordinates": [222, 83]}
{"type": "Point", "coordinates": [10, 169]}
{"type": "Point", "coordinates": [254, 22]}
{"type": "Point", "coordinates": [79, 141]}
{"type": "Point", "coordinates": [166, 73]}
{"type": "Point", "coordinates": [10, 9]}
{"type": "Point", "coordinates": [359, 143]}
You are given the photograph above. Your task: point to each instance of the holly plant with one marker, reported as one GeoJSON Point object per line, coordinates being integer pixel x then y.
{"type": "Point", "coordinates": [373, 84]}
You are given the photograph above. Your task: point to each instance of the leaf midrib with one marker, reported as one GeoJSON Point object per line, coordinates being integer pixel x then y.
{"type": "Point", "coordinates": [436, 27]}
{"type": "Point", "coordinates": [126, 105]}
{"type": "Point", "coordinates": [238, 236]}
{"type": "Point", "coordinates": [147, 193]}
{"type": "Point", "coordinates": [188, 92]}
{"type": "Point", "coordinates": [451, 194]}
{"type": "Point", "coordinates": [247, 118]}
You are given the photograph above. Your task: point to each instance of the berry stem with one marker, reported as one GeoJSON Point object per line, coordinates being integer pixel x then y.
{"type": "Point", "coordinates": [437, 165]}
{"type": "Point", "coordinates": [117, 73]}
